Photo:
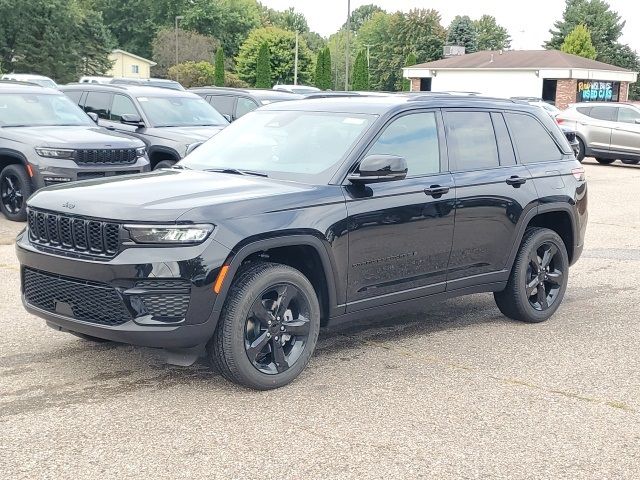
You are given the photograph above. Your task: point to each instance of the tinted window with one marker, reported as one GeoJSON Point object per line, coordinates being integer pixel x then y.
{"type": "Point", "coordinates": [98, 102]}
{"type": "Point", "coordinates": [177, 111]}
{"type": "Point", "coordinates": [505, 148]}
{"type": "Point", "coordinates": [122, 105]}
{"type": "Point", "coordinates": [532, 140]}
{"type": "Point", "coordinates": [604, 113]}
{"type": "Point", "coordinates": [74, 95]}
{"type": "Point", "coordinates": [222, 103]}
{"type": "Point", "coordinates": [39, 110]}
{"type": "Point", "coordinates": [414, 137]}
{"type": "Point", "coordinates": [584, 110]}
{"type": "Point", "coordinates": [628, 115]}
{"type": "Point", "coordinates": [471, 140]}
{"type": "Point", "coordinates": [244, 106]}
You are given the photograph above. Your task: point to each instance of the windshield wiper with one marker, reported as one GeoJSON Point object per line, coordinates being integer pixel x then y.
{"type": "Point", "coordinates": [235, 171]}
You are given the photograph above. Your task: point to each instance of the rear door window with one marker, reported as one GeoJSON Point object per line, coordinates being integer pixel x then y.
{"type": "Point", "coordinates": [604, 113]}
{"type": "Point", "coordinates": [533, 142]}
{"type": "Point", "coordinates": [98, 103]}
{"type": "Point", "coordinates": [471, 140]}
{"type": "Point", "coordinates": [628, 115]}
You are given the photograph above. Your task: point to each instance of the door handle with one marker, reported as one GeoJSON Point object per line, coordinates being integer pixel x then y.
{"type": "Point", "coordinates": [515, 181]}
{"type": "Point", "coordinates": [436, 191]}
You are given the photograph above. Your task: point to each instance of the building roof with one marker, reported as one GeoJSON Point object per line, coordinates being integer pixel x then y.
{"type": "Point", "coordinates": [129, 54]}
{"type": "Point", "coordinates": [519, 60]}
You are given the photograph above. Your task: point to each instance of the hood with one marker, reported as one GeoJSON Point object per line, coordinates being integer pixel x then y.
{"type": "Point", "coordinates": [184, 134]}
{"type": "Point", "coordinates": [73, 137]}
{"type": "Point", "coordinates": [167, 195]}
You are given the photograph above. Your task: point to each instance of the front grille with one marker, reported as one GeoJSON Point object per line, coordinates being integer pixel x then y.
{"type": "Point", "coordinates": [90, 175]}
{"type": "Point", "coordinates": [73, 234]}
{"type": "Point", "coordinates": [82, 300]}
{"type": "Point", "coordinates": [119, 156]}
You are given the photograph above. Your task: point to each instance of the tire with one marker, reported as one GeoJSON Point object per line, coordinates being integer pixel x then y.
{"type": "Point", "coordinates": [605, 161]}
{"type": "Point", "coordinates": [526, 275]}
{"type": "Point", "coordinates": [581, 150]}
{"type": "Point", "coordinates": [630, 162]}
{"type": "Point", "coordinates": [15, 189]}
{"type": "Point", "coordinates": [164, 164]}
{"type": "Point", "coordinates": [244, 347]}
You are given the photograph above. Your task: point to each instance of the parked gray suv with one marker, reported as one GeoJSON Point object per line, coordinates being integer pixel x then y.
{"type": "Point", "coordinates": [170, 122]}
{"type": "Point", "coordinates": [45, 140]}
{"type": "Point", "coordinates": [606, 131]}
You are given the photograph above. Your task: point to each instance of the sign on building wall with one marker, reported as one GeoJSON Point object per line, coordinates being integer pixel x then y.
{"type": "Point", "coordinates": [597, 91]}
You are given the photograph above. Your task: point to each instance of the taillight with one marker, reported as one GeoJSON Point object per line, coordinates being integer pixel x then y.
{"type": "Point", "coordinates": [559, 121]}
{"type": "Point", "coordinates": [578, 174]}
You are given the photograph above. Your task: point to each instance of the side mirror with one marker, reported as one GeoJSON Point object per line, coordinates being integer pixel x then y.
{"type": "Point", "coordinates": [192, 147]}
{"type": "Point", "coordinates": [93, 116]}
{"type": "Point", "coordinates": [379, 168]}
{"type": "Point", "coordinates": [132, 119]}
{"type": "Point", "coordinates": [638, 121]}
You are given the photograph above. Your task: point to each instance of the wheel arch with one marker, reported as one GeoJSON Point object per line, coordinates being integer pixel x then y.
{"type": "Point", "coordinates": [305, 252]}
{"type": "Point", "coordinates": [11, 157]}
{"type": "Point", "coordinates": [158, 153]}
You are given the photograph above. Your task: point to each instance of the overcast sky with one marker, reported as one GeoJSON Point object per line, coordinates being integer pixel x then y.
{"type": "Point", "coordinates": [528, 22]}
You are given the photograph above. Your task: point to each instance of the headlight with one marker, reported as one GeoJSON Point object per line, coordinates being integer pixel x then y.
{"type": "Point", "coordinates": [140, 151]}
{"type": "Point", "coordinates": [169, 234]}
{"type": "Point", "coordinates": [55, 152]}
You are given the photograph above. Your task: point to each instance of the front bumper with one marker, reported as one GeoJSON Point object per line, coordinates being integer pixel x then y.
{"type": "Point", "coordinates": [51, 171]}
{"type": "Point", "coordinates": [127, 278]}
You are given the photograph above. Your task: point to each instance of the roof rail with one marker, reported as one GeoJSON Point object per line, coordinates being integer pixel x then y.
{"type": "Point", "coordinates": [470, 98]}
{"type": "Point", "coordinates": [20, 82]}
{"type": "Point", "coordinates": [97, 85]}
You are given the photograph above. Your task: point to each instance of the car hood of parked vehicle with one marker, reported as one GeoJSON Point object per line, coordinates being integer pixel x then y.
{"type": "Point", "coordinates": [73, 137]}
{"type": "Point", "coordinates": [185, 134]}
{"type": "Point", "coordinates": [170, 195]}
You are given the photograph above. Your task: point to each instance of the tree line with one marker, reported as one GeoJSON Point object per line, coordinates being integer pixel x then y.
{"type": "Point", "coordinates": [243, 43]}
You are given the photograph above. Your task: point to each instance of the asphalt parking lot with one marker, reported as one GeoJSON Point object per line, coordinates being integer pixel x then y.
{"type": "Point", "coordinates": [456, 391]}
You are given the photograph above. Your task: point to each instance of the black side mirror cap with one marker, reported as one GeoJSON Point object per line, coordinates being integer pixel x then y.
{"type": "Point", "coordinates": [132, 119]}
{"type": "Point", "coordinates": [379, 168]}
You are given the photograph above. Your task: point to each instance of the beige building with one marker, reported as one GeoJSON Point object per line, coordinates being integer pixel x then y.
{"type": "Point", "coordinates": [128, 65]}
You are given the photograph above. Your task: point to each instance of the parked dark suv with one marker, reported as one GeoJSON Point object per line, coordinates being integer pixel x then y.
{"type": "Point", "coordinates": [45, 139]}
{"type": "Point", "coordinates": [171, 123]}
{"type": "Point", "coordinates": [312, 212]}
{"type": "Point", "coordinates": [234, 103]}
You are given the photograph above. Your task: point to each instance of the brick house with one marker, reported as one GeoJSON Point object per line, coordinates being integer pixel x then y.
{"type": "Point", "coordinates": [556, 77]}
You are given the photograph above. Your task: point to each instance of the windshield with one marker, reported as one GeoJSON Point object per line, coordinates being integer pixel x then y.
{"type": "Point", "coordinates": [166, 84]}
{"type": "Point", "coordinates": [37, 110]}
{"type": "Point", "coordinates": [180, 112]}
{"type": "Point", "coordinates": [293, 145]}
{"type": "Point", "coordinates": [44, 82]}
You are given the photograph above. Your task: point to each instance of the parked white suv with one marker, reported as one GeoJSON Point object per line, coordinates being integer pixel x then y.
{"type": "Point", "coordinates": [606, 131]}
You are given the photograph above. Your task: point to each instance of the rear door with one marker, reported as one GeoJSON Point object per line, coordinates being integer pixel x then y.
{"type": "Point", "coordinates": [625, 136]}
{"type": "Point", "coordinates": [602, 120]}
{"type": "Point", "coordinates": [493, 194]}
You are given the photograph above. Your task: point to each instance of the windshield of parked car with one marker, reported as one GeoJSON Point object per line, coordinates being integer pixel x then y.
{"type": "Point", "coordinates": [30, 109]}
{"type": "Point", "coordinates": [180, 112]}
{"type": "Point", "coordinates": [44, 82]}
{"type": "Point", "coordinates": [292, 145]}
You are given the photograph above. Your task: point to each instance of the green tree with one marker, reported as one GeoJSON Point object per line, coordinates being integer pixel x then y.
{"type": "Point", "coordinates": [337, 46]}
{"type": "Point", "coordinates": [61, 39]}
{"type": "Point", "coordinates": [263, 67]}
{"type": "Point", "coordinates": [328, 75]}
{"type": "Point", "coordinates": [219, 80]}
{"type": "Point", "coordinates": [230, 21]}
{"type": "Point", "coordinates": [578, 42]}
{"type": "Point", "coordinates": [490, 35]}
{"type": "Point", "coordinates": [281, 45]}
{"type": "Point", "coordinates": [462, 32]}
{"type": "Point", "coordinates": [192, 47]}
{"type": "Point", "coordinates": [323, 77]}
{"type": "Point", "coordinates": [411, 60]}
{"type": "Point", "coordinates": [361, 14]}
{"type": "Point", "coordinates": [193, 74]}
{"type": "Point", "coordinates": [360, 79]}
{"type": "Point", "coordinates": [288, 19]}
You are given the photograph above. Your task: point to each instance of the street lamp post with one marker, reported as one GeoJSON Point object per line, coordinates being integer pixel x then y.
{"type": "Point", "coordinates": [346, 53]}
{"type": "Point", "coordinates": [178, 17]}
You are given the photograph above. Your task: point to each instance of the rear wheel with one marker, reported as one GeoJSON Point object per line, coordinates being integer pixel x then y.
{"type": "Point", "coordinates": [268, 328]}
{"type": "Point", "coordinates": [605, 161]}
{"type": "Point", "coordinates": [15, 188]}
{"type": "Point", "coordinates": [538, 279]}
{"type": "Point", "coordinates": [581, 150]}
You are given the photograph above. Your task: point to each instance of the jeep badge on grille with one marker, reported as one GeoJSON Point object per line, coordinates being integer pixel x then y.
{"type": "Point", "coordinates": [69, 205]}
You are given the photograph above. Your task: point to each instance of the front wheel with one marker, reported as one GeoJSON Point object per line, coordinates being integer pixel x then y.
{"type": "Point", "coordinates": [538, 278]}
{"type": "Point", "coordinates": [268, 328]}
{"type": "Point", "coordinates": [15, 189]}
{"type": "Point", "coordinates": [630, 162]}
{"type": "Point", "coordinates": [605, 161]}
{"type": "Point", "coordinates": [581, 150]}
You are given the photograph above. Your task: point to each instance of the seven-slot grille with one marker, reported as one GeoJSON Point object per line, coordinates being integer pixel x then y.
{"type": "Point", "coordinates": [83, 300]}
{"type": "Point", "coordinates": [118, 156]}
{"type": "Point", "coordinates": [74, 234]}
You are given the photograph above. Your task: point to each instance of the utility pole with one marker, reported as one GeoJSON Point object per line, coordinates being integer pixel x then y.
{"type": "Point", "coordinates": [295, 65]}
{"type": "Point", "coordinates": [178, 17]}
{"type": "Point", "coordinates": [346, 53]}
{"type": "Point", "coordinates": [368, 45]}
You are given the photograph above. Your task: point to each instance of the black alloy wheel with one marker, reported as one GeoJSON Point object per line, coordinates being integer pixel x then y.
{"type": "Point", "coordinates": [544, 276]}
{"type": "Point", "coordinates": [581, 150]}
{"type": "Point", "coordinates": [277, 329]}
{"type": "Point", "coordinates": [15, 189]}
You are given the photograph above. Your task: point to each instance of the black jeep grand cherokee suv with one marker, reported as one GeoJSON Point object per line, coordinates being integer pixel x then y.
{"type": "Point", "coordinates": [308, 212]}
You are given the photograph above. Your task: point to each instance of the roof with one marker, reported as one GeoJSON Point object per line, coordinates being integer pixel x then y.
{"type": "Point", "coordinates": [256, 92]}
{"type": "Point", "coordinates": [142, 59]}
{"type": "Point", "coordinates": [21, 87]}
{"type": "Point", "coordinates": [519, 59]}
{"type": "Point", "coordinates": [136, 90]}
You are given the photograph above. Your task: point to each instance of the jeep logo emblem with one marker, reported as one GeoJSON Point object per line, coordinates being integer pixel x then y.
{"type": "Point", "coordinates": [69, 205]}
